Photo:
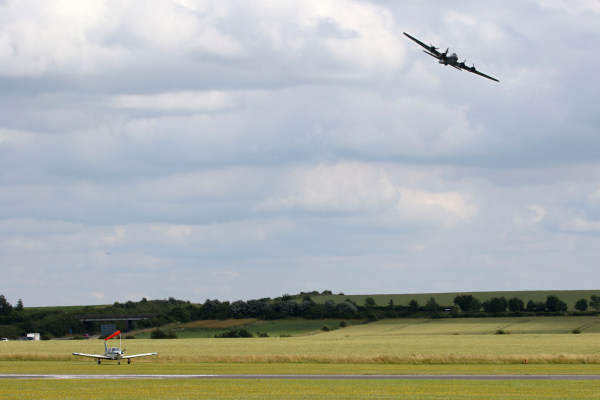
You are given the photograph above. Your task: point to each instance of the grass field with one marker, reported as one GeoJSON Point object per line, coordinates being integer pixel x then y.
{"type": "Point", "coordinates": [447, 299]}
{"type": "Point", "coordinates": [396, 341]}
{"type": "Point", "coordinates": [297, 389]}
{"type": "Point", "coordinates": [395, 346]}
{"type": "Point", "coordinates": [286, 327]}
{"type": "Point", "coordinates": [391, 327]}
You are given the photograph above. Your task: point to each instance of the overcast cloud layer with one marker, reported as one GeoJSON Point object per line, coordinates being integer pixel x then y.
{"type": "Point", "coordinates": [244, 149]}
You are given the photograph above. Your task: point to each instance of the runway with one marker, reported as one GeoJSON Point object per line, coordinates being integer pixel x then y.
{"type": "Point", "coordinates": [310, 377]}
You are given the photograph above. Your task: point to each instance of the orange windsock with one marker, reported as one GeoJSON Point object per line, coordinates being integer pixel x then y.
{"type": "Point", "coordinates": [113, 335]}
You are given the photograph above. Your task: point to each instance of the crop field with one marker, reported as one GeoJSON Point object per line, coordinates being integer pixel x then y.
{"type": "Point", "coordinates": [396, 341]}
{"type": "Point", "coordinates": [286, 327]}
{"type": "Point", "coordinates": [540, 345]}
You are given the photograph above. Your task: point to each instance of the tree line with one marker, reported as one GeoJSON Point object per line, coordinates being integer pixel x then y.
{"type": "Point", "coordinates": [59, 322]}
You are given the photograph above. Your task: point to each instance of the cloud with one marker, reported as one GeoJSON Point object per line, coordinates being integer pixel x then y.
{"type": "Point", "coordinates": [344, 187]}
{"type": "Point", "coordinates": [191, 101]}
{"type": "Point", "coordinates": [448, 207]}
{"type": "Point", "coordinates": [202, 148]}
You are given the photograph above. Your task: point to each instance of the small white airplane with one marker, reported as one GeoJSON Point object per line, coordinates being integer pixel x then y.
{"type": "Point", "coordinates": [114, 353]}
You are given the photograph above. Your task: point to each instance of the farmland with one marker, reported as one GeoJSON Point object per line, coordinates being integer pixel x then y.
{"type": "Point", "coordinates": [396, 341]}
{"type": "Point", "coordinates": [395, 346]}
{"type": "Point", "coordinates": [285, 327]}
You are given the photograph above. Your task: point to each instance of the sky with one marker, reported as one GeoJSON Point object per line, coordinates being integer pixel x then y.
{"type": "Point", "coordinates": [246, 149]}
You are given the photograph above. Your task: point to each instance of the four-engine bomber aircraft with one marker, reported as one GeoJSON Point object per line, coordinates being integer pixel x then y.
{"type": "Point", "coordinates": [444, 58]}
{"type": "Point", "coordinates": [114, 353]}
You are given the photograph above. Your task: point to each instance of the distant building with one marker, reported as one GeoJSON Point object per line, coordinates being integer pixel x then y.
{"type": "Point", "coordinates": [33, 336]}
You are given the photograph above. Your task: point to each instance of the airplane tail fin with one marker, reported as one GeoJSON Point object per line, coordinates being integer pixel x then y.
{"type": "Point", "coordinates": [105, 348]}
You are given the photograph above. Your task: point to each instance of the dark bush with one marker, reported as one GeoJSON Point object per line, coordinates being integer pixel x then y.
{"type": "Point", "coordinates": [160, 334]}
{"type": "Point", "coordinates": [242, 333]}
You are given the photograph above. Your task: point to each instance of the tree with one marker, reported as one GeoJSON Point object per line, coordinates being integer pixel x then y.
{"type": "Point", "coordinates": [5, 307]}
{"type": "Point", "coordinates": [595, 302]}
{"type": "Point", "coordinates": [539, 306]}
{"type": "Point", "coordinates": [495, 305]}
{"type": "Point", "coordinates": [346, 309]}
{"type": "Point", "coordinates": [581, 305]}
{"type": "Point", "coordinates": [432, 305]}
{"type": "Point", "coordinates": [370, 302]}
{"type": "Point", "coordinates": [515, 304]}
{"type": "Point", "coordinates": [413, 306]}
{"type": "Point", "coordinates": [19, 306]}
{"type": "Point", "coordinates": [467, 302]}
{"type": "Point", "coordinates": [329, 307]}
{"type": "Point", "coordinates": [554, 304]}
{"type": "Point", "coordinates": [530, 306]}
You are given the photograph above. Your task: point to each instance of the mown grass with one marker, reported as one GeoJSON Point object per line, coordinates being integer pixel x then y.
{"type": "Point", "coordinates": [82, 366]}
{"type": "Point", "coordinates": [296, 389]}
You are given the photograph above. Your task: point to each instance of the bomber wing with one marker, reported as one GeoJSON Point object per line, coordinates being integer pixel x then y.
{"type": "Point", "coordinates": [92, 355]}
{"type": "Point", "coordinates": [473, 70]}
{"type": "Point", "coordinates": [431, 50]}
{"type": "Point", "coordinates": [139, 355]}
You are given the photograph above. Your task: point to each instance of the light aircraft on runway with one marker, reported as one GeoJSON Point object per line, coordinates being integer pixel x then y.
{"type": "Point", "coordinates": [114, 353]}
{"type": "Point", "coordinates": [444, 58]}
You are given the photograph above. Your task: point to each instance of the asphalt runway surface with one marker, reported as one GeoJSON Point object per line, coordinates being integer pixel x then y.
{"type": "Point", "coordinates": [310, 377]}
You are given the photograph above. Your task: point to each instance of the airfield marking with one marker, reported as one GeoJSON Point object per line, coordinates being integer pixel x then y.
{"type": "Point", "coordinates": [307, 377]}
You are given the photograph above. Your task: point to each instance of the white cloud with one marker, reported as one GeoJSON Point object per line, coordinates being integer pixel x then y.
{"type": "Point", "coordinates": [117, 236]}
{"type": "Point", "coordinates": [344, 187]}
{"type": "Point", "coordinates": [38, 37]}
{"type": "Point", "coordinates": [192, 101]}
{"type": "Point", "coordinates": [175, 232]}
{"type": "Point", "coordinates": [168, 146]}
{"type": "Point", "coordinates": [448, 208]}
{"type": "Point", "coordinates": [565, 6]}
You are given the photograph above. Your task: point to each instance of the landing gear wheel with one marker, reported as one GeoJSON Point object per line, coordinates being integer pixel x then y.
{"type": "Point", "coordinates": [119, 362]}
{"type": "Point", "coordinates": [128, 361]}
{"type": "Point", "coordinates": [98, 361]}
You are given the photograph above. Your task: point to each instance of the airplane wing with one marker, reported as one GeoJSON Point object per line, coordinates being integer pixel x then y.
{"type": "Point", "coordinates": [92, 355]}
{"type": "Point", "coordinates": [473, 70]}
{"type": "Point", "coordinates": [430, 49]}
{"type": "Point", "coordinates": [139, 355]}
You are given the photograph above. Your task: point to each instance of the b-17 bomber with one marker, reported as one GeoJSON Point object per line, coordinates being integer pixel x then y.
{"type": "Point", "coordinates": [451, 60]}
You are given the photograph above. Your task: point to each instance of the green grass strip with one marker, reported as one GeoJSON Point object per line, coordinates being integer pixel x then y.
{"type": "Point", "coordinates": [296, 389]}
